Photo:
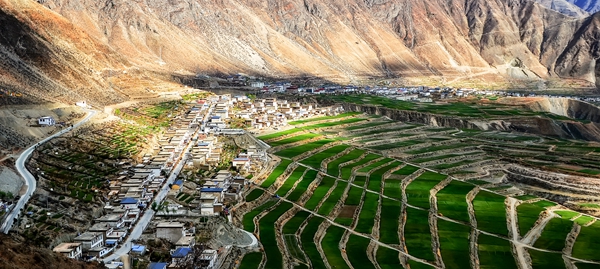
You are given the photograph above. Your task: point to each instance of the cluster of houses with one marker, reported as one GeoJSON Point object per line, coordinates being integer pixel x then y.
{"type": "Point", "coordinates": [274, 113]}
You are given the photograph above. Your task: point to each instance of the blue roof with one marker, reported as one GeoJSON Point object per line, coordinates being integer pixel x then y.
{"type": "Point", "coordinates": [179, 182]}
{"type": "Point", "coordinates": [241, 159]}
{"type": "Point", "coordinates": [111, 241]}
{"type": "Point", "coordinates": [215, 117]}
{"type": "Point", "coordinates": [202, 144]}
{"type": "Point", "coordinates": [129, 200]}
{"type": "Point", "coordinates": [211, 190]}
{"type": "Point", "coordinates": [158, 265]}
{"type": "Point", "coordinates": [181, 252]}
{"type": "Point", "coordinates": [138, 248]}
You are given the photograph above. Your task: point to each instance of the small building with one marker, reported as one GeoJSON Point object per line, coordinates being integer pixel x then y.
{"type": "Point", "coordinates": [71, 250]}
{"type": "Point", "coordinates": [172, 231]}
{"type": "Point", "coordinates": [180, 255]}
{"type": "Point", "coordinates": [90, 240]}
{"type": "Point", "coordinates": [158, 265]}
{"type": "Point", "coordinates": [46, 121]}
{"type": "Point", "coordinates": [129, 203]}
{"type": "Point", "coordinates": [208, 259]}
{"type": "Point", "coordinates": [138, 249]}
{"type": "Point", "coordinates": [177, 185]}
{"type": "Point", "coordinates": [186, 242]}
{"type": "Point", "coordinates": [98, 252]}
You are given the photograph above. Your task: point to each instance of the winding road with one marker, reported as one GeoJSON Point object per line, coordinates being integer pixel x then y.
{"type": "Point", "coordinates": [29, 178]}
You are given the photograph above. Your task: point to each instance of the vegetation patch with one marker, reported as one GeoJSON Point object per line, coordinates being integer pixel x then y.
{"type": "Point", "coordinates": [376, 177]}
{"type": "Point", "coordinates": [554, 234]}
{"type": "Point", "coordinates": [347, 170]}
{"type": "Point", "coordinates": [291, 180]}
{"type": "Point", "coordinates": [296, 151]}
{"type": "Point", "coordinates": [330, 245]}
{"type": "Point", "coordinates": [302, 186]}
{"type": "Point", "coordinates": [366, 219]}
{"type": "Point", "coordinates": [333, 198]}
{"type": "Point", "coordinates": [342, 115]}
{"type": "Point", "coordinates": [546, 260]}
{"type": "Point", "coordinates": [388, 226]}
{"type": "Point", "coordinates": [276, 173]}
{"type": "Point", "coordinates": [320, 192]}
{"type": "Point", "coordinates": [356, 250]}
{"type": "Point", "coordinates": [587, 244]}
{"type": "Point", "coordinates": [308, 242]}
{"type": "Point", "coordinates": [388, 258]}
{"type": "Point", "coordinates": [248, 219]}
{"type": "Point", "coordinates": [251, 260]}
{"type": "Point", "coordinates": [454, 244]}
{"type": "Point", "coordinates": [268, 236]}
{"type": "Point", "coordinates": [334, 166]}
{"type": "Point", "coordinates": [494, 253]}
{"type": "Point", "coordinates": [315, 160]}
{"type": "Point", "coordinates": [417, 235]}
{"type": "Point", "coordinates": [293, 139]}
{"type": "Point", "coordinates": [527, 215]}
{"type": "Point", "coordinates": [417, 191]}
{"type": "Point", "coordinates": [452, 201]}
{"type": "Point", "coordinates": [490, 212]}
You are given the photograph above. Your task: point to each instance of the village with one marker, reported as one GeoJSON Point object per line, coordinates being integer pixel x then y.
{"type": "Point", "coordinates": [183, 180]}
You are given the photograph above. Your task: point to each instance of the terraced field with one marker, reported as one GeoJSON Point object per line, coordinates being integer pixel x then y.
{"type": "Point", "coordinates": [390, 208]}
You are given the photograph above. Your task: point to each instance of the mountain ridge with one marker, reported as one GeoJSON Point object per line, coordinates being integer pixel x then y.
{"type": "Point", "coordinates": [457, 42]}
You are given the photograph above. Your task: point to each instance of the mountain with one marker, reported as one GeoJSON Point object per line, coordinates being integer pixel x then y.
{"type": "Point", "coordinates": [564, 7]}
{"type": "Point", "coordinates": [107, 51]}
{"type": "Point", "coordinates": [591, 6]}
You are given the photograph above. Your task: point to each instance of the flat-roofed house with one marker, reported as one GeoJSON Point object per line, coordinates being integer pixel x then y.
{"type": "Point", "coordinates": [71, 250]}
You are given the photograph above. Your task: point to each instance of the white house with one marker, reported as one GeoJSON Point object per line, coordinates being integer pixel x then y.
{"type": "Point", "coordinates": [90, 240]}
{"type": "Point", "coordinates": [47, 121]}
{"type": "Point", "coordinates": [71, 250]}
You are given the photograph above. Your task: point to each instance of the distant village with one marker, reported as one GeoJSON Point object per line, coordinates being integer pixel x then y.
{"type": "Point", "coordinates": [193, 142]}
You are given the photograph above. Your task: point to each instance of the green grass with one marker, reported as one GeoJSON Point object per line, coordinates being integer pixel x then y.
{"type": "Point", "coordinates": [589, 205]}
{"type": "Point", "coordinates": [293, 139]}
{"type": "Point", "coordinates": [417, 265]}
{"type": "Point", "coordinates": [583, 220]}
{"type": "Point", "coordinates": [308, 128]}
{"type": "Point", "coordinates": [292, 225]}
{"type": "Point", "coordinates": [276, 173]}
{"type": "Point", "coordinates": [546, 260]}
{"type": "Point", "coordinates": [374, 165]}
{"type": "Point", "coordinates": [333, 198]}
{"type": "Point", "coordinates": [386, 130]}
{"type": "Point", "coordinates": [302, 186]}
{"type": "Point", "coordinates": [490, 212]}
{"type": "Point", "coordinates": [417, 191]}
{"type": "Point", "coordinates": [268, 236]}
{"type": "Point", "coordinates": [406, 170]}
{"type": "Point", "coordinates": [494, 253]}
{"type": "Point", "coordinates": [333, 166]}
{"type": "Point", "coordinates": [354, 196]}
{"type": "Point", "coordinates": [376, 177]}
{"type": "Point", "coordinates": [417, 235]}
{"type": "Point", "coordinates": [567, 214]}
{"type": "Point", "coordinates": [452, 202]}
{"type": "Point", "coordinates": [248, 221]}
{"type": "Point", "coordinates": [581, 265]}
{"type": "Point", "coordinates": [278, 134]}
{"type": "Point", "coordinates": [308, 242]}
{"type": "Point", "coordinates": [452, 165]}
{"type": "Point", "coordinates": [368, 125]}
{"type": "Point", "coordinates": [438, 148]}
{"type": "Point", "coordinates": [315, 160]}
{"type": "Point", "coordinates": [587, 244]}
{"type": "Point", "coordinates": [360, 181]}
{"type": "Point", "coordinates": [387, 258]}
{"type": "Point", "coordinates": [392, 188]}
{"type": "Point", "coordinates": [330, 245]}
{"type": "Point", "coordinates": [454, 244]}
{"type": "Point", "coordinates": [388, 225]}
{"type": "Point", "coordinates": [397, 144]}
{"type": "Point", "coordinates": [251, 260]}
{"type": "Point", "coordinates": [298, 150]}
{"type": "Point", "coordinates": [554, 234]}
{"type": "Point", "coordinates": [356, 250]}
{"type": "Point", "coordinates": [544, 203]}
{"type": "Point", "coordinates": [342, 115]}
{"type": "Point", "coordinates": [347, 170]}
{"type": "Point", "coordinates": [527, 215]}
{"type": "Point", "coordinates": [526, 197]}
{"type": "Point", "coordinates": [291, 180]}
{"type": "Point", "coordinates": [293, 246]}
{"type": "Point", "coordinates": [366, 219]}
{"type": "Point", "coordinates": [319, 193]}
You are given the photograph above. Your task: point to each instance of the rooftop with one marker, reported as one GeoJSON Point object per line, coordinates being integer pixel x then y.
{"type": "Point", "coordinates": [169, 225]}
{"type": "Point", "coordinates": [66, 247]}
{"type": "Point", "coordinates": [181, 252]}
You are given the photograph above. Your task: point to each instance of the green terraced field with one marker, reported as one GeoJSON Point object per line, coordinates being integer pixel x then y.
{"type": "Point", "coordinates": [308, 128]}
{"type": "Point", "coordinates": [251, 260]}
{"type": "Point", "coordinates": [315, 160]}
{"type": "Point", "coordinates": [490, 212]}
{"type": "Point", "coordinates": [276, 173]}
{"type": "Point", "coordinates": [554, 234]}
{"type": "Point", "coordinates": [296, 151]}
{"type": "Point", "coordinates": [417, 265]}
{"type": "Point", "coordinates": [367, 125]}
{"type": "Point", "coordinates": [347, 170]}
{"type": "Point", "coordinates": [354, 196]}
{"type": "Point", "coordinates": [397, 144]}
{"type": "Point", "coordinates": [417, 191]}
{"type": "Point", "coordinates": [442, 147]}
{"type": "Point", "coordinates": [454, 244]}
{"type": "Point", "coordinates": [333, 198]}
{"type": "Point", "coordinates": [293, 139]}
{"type": "Point", "coordinates": [248, 221]}
{"type": "Point", "coordinates": [333, 166]}
{"type": "Point", "coordinates": [388, 258]}
{"type": "Point", "coordinates": [452, 201]}
{"type": "Point", "coordinates": [254, 194]}
{"type": "Point", "coordinates": [319, 193]}
{"type": "Point", "coordinates": [406, 170]}
{"type": "Point", "coordinates": [291, 180]}
{"type": "Point", "coordinates": [347, 114]}
{"type": "Point", "coordinates": [302, 186]}
{"type": "Point", "coordinates": [366, 219]}
{"type": "Point", "coordinates": [546, 260]}
{"type": "Point", "coordinates": [587, 244]}
{"type": "Point", "coordinates": [583, 220]}
{"type": "Point", "coordinates": [292, 225]}
{"type": "Point", "coordinates": [527, 215]}
{"type": "Point", "coordinates": [581, 265]}
{"type": "Point", "coordinates": [376, 176]}
{"type": "Point", "coordinates": [268, 236]}
{"type": "Point", "coordinates": [392, 188]}
{"type": "Point", "coordinates": [356, 250]}
{"type": "Point", "coordinates": [495, 253]}
{"type": "Point", "coordinates": [388, 226]}
{"type": "Point", "coordinates": [360, 181]}
{"type": "Point", "coordinates": [308, 242]}
{"type": "Point", "coordinates": [374, 165]}
{"type": "Point", "coordinates": [565, 214]}
{"type": "Point", "coordinates": [417, 235]}
{"type": "Point", "coordinates": [330, 245]}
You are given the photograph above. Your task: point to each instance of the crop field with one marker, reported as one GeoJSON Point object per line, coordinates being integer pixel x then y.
{"type": "Point", "coordinates": [452, 201]}
{"type": "Point", "coordinates": [333, 167]}
{"type": "Point", "coordinates": [362, 203]}
{"type": "Point", "coordinates": [293, 139]}
{"type": "Point", "coordinates": [251, 260]}
{"type": "Point", "coordinates": [314, 161]}
{"type": "Point", "coordinates": [295, 151]}
{"type": "Point", "coordinates": [347, 170]}
{"type": "Point", "coordinates": [343, 115]}
{"type": "Point", "coordinates": [417, 191]}
{"type": "Point", "coordinates": [302, 186]}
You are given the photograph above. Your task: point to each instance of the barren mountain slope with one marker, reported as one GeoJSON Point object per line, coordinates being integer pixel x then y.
{"type": "Point", "coordinates": [78, 46]}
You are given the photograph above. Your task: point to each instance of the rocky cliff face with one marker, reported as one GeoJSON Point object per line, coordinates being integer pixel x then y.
{"type": "Point", "coordinates": [591, 6]}
{"type": "Point", "coordinates": [457, 41]}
